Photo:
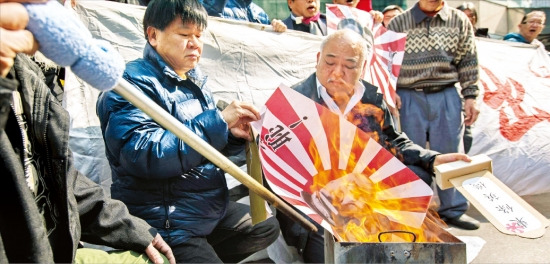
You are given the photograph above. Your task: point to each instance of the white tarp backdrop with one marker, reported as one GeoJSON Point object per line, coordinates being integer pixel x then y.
{"type": "Point", "coordinates": [514, 125]}
{"type": "Point", "coordinates": [247, 62]}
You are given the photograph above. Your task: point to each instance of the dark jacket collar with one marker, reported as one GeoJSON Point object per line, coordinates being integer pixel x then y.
{"type": "Point", "coordinates": [322, 22]}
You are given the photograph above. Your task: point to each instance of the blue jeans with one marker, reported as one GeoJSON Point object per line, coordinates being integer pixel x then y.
{"type": "Point", "coordinates": [436, 118]}
{"type": "Point", "coordinates": [233, 239]}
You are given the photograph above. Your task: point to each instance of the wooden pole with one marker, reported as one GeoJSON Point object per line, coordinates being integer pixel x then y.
{"type": "Point", "coordinates": [138, 99]}
{"type": "Point", "coordinates": [258, 211]}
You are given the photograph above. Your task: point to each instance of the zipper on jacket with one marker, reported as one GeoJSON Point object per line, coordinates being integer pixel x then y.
{"type": "Point", "coordinates": [23, 136]}
{"type": "Point", "coordinates": [46, 148]}
{"type": "Point", "coordinates": [165, 192]}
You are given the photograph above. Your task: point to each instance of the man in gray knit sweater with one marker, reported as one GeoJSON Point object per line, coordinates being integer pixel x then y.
{"type": "Point", "coordinates": [440, 52]}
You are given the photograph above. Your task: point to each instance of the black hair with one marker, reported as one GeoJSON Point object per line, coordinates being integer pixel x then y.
{"type": "Point", "coordinates": [160, 13]}
{"type": "Point", "coordinates": [524, 19]}
{"type": "Point", "coordinates": [392, 7]}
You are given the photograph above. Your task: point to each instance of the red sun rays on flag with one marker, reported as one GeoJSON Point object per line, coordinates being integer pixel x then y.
{"type": "Point", "coordinates": [335, 173]}
{"type": "Point", "coordinates": [388, 46]}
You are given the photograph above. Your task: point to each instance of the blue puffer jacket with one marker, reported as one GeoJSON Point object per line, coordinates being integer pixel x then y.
{"type": "Point", "coordinates": [160, 178]}
{"type": "Point", "coordinates": [515, 37]}
{"type": "Point", "coordinates": [244, 10]}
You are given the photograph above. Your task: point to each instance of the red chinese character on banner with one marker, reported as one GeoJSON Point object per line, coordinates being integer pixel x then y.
{"type": "Point", "coordinates": [503, 97]}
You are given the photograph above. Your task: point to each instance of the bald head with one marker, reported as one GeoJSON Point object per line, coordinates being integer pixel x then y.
{"type": "Point", "coordinates": [349, 38]}
{"type": "Point", "coordinates": [341, 62]}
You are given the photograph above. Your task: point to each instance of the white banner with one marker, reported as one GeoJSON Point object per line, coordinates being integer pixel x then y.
{"type": "Point", "coordinates": [513, 127]}
{"type": "Point", "coordinates": [247, 62]}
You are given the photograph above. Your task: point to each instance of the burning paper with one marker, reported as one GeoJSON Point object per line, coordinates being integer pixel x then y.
{"type": "Point", "coordinates": [334, 172]}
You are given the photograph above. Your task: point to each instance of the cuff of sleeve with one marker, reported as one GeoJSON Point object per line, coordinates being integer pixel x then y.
{"type": "Point", "coordinates": [470, 92]}
{"type": "Point", "coordinates": [235, 140]}
{"type": "Point", "coordinates": [146, 240]}
{"type": "Point", "coordinates": [153, 231]}
{"type": "Point", "coordinates": [431, 169]}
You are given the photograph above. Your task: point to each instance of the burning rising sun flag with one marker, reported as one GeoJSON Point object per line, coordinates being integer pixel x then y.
{"type": "Point", "coordinates": [334, 172]}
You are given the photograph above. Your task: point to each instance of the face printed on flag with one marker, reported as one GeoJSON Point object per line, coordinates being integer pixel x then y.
{"type": "Point", "coordinates": [334, 172]}
{"type": "Point", "coordinates": [386, 50]}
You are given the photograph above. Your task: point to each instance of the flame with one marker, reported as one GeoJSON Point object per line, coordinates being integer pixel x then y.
{"type": "Point", "coordinates": [357, 215]}
{"type": "Point", "coordinates": [370, 119]}
{"type": "Point", "coordinates": [349, 202]}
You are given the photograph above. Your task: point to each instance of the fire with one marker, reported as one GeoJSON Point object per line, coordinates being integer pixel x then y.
{"type": "Point", "coordinates": [350, 204]}
{"type": "Point", "coordinates": [350, 201]}
{"type": "Point", "coordinates": [368, 118]}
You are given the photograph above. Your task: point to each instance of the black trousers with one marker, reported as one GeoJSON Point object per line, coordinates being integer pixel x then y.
{"type": "Point", "coordinates": [233, 239]}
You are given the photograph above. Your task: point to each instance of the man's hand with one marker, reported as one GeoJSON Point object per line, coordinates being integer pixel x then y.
{"type": "Point", "coordinates": [278, 25]}
{"type": "Point", "coordinates": [471, 111]}
{"type": "Point", "coordinates": [73, 3]}
{"type": "Point", "coordinates": [157, 245]}
{"type": "Point", "coordinates": [395, 110]}
{"type": "Point", "coordinates": [237, 115]}
{"type": "Point", "coordinates": [377, 16]}
{"type": "Point", "coordinates": [13, 37]}
{"type": "Point", "coordinates": [450, 157]}
{"type": "Point", "coordinates": [242, 131]}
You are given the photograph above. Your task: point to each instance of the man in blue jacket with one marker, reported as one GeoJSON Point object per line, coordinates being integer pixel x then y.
{"type": "Point", "coordinates": [159, 177]}
{"type": "Point", "coordinates": [243, 10]}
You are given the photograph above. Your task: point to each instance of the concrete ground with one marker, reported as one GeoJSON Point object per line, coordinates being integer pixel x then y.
{"type": "Point", "coordinates": [502, 248]}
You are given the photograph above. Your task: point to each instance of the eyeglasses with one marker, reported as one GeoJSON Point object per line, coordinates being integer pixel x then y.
{"type": "Point", "coordinates": [532, 22]}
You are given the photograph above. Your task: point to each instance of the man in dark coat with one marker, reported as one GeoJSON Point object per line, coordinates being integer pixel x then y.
{"type": "Point", "coordinates": [47, 206]}
{"type": "Point", "coordinates": [305, 16]}
{"type": "Point", "coordinates": [336, 84]}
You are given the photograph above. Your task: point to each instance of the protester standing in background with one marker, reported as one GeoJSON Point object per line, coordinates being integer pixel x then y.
{"type": "Point", "coordinates": [243, 10]}
{"type": "Point", "coordinates": [530, 27]}
{"type": "Point", "coordinates": [470, 10]}
{"type": "Point", "coordinates": [440, 51]}
{"type": "Point", "coordinates": [305, 16]}
{"type": "Point", "coordinates": [390, 12]}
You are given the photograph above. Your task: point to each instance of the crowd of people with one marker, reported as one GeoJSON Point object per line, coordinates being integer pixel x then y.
{"type": "Point", "coordinates": [171, 204]}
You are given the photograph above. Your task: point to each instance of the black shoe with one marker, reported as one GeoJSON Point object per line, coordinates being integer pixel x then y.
{"type": "Point", "coordinates": [464, 221]}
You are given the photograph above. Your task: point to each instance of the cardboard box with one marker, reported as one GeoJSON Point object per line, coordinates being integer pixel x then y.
{"type": "Point", "coordinates": [444, 172]}
{"type": "Point", "coordinates": [508, 212]}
